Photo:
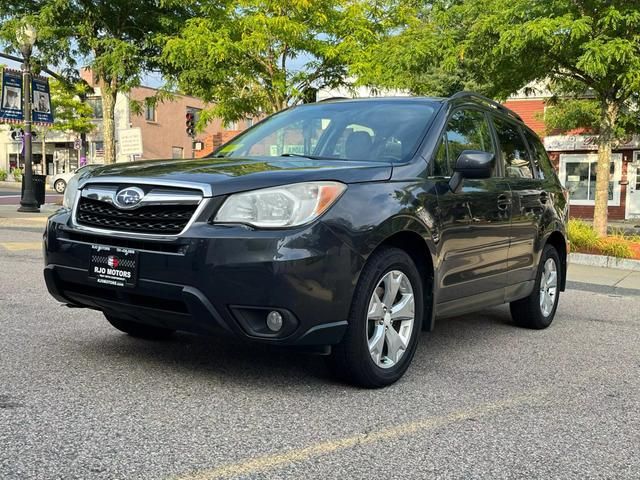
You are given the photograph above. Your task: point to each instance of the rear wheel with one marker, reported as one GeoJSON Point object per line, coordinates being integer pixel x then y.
{"type": "Point", "coordinates": [538, 309]}
{"type": "Point", "coordinates": [60, 186]}
{"type": "Point", "coordinates": [139, 330]}
{"type": "Point", "coordinates": [384, 322]}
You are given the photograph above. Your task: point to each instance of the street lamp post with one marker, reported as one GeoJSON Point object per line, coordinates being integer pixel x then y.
{"type": "Point", "coordinates": [27, 39]}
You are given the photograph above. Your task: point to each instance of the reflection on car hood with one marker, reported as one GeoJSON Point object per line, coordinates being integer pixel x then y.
{"type": "Point", "coordinates": [228, 175]}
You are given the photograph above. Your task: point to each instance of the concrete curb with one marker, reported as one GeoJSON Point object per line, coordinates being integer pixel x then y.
{"type": "Point", "coordinates": [604, 261]}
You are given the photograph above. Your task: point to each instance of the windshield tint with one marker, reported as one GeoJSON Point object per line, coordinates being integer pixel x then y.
{"type": "Point", "coordinates": [370, 131]}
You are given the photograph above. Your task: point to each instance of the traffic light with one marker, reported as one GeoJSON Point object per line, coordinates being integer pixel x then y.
{"type": "Point", "coordinates": [191, 125]}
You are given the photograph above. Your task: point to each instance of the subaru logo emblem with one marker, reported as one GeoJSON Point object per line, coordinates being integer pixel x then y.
{"type": "Point", "coordinates": [129, 197]}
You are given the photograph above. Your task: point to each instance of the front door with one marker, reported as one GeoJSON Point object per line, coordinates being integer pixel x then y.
{"type": "Point", "coordinates": [633, 190]}
{"type": "Point", "coordinates": [474, 222]}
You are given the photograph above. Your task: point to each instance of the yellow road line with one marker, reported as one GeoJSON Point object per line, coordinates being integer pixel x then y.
{"type": "Point", "coordinates": [21, 246]}
{"type": "Point", "coordinates": [261, 464]}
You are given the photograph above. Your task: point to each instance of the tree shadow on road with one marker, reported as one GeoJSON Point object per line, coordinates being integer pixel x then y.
{"type": "Point", "coordinates": [230, 361]}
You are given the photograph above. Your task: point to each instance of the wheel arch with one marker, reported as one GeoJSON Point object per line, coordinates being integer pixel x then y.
{"type": "Point", "coordinates": [558, 241]}
{"type": "Point", "coordinates": [417, 248]}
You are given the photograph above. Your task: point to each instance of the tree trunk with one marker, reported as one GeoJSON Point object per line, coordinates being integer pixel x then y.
{"type": "Point", "coordinates": [109, 92]}
{"type": "Point", "coordinates": [608, 117]}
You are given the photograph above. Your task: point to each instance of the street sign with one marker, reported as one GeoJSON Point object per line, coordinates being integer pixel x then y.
{"type": "Point", "coordinates": [77, 144]}
{"type": "Point", "coordinates": [130, 141]}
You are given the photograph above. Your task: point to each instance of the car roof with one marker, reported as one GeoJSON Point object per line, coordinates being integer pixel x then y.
{"type": "Point", "coordinates": [458, 98]}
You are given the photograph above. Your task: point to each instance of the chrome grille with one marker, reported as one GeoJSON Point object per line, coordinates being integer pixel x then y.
{"type": "Point", "coordinates": [161, 211]}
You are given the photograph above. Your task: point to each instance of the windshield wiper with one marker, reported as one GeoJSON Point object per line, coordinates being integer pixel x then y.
{"type": "Point", "coordinates": [299, 155]}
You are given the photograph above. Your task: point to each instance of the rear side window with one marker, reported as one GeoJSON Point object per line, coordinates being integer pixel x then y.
{"type": "Point", "coordinates": [514, 151]}
{"type": "Point", "coordinates": [540, 157]}
{"type": "Point", "coordinates": [466, 130]}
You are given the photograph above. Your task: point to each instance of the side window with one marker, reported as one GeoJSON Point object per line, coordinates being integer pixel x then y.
{"type": "Point", "coordinates": [515, 155]}
{"type": "Point", "coordinates": [540, 157]}
{"type": "Point", "coordinates": [467, 130]}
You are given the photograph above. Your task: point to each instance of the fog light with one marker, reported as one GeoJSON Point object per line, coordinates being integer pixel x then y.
{"type": "Point", "coordinates": [274, 321]}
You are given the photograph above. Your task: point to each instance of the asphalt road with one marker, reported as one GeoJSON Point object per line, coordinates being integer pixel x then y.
{"type": "Point", "coordinates": [483, 399]}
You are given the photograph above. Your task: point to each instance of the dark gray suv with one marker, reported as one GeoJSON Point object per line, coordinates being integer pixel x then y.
{"type": "Point", "coordinates": [344, 226]}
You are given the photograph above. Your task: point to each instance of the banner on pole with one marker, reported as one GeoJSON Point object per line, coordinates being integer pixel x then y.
{"type": "Point", "coordinates": [11, 102]}
{"type": "Point", "coordinates": [42, 113]}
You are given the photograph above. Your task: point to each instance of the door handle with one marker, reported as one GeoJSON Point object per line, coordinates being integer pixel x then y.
{"type": "Point", "coordinates": [503, 201]}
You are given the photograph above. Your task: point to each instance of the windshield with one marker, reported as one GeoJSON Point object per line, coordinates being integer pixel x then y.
{"type": "Point", "coordinates": [360, 130]}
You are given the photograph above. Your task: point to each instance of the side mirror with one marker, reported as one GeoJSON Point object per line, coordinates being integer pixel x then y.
{"type": "Point", "coordinates": [471, 164]}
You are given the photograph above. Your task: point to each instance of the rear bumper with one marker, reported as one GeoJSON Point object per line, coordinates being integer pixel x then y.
{"type": "Point", "coordinates": [217, 280]}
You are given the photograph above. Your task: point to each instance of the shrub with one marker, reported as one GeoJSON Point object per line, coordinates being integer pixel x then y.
{"type": "Point", "coordinates": [17, 174]}
{"type": "Point", "coordinates": [584, 238]}
{"type": "Point", "coordinates": [615, 247]}
{"type": "Point", "coordinates": [3, 175]}
{"type": "Point", "coordinates": [625, 234]}
{"type": "Point", "coordinates": [582, 235]}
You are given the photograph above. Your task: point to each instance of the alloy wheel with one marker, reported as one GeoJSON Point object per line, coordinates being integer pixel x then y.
{"type": "Point", "coordinates": [548, 287]}
{"type": "Point", "coordinates": [390, 319]}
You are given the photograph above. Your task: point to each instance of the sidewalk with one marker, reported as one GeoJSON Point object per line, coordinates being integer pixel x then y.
{"type": "Point", "coordinates": [11, 218]}
{"type": "Point", "coordinates": [18, 185]}
{"type": "Point", "coordinates": [603, 280]}
{"type": "Point", "coordinates": [10, 185]}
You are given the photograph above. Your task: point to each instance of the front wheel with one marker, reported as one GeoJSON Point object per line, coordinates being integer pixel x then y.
{"type": "Point", "coordinates": [139, 330]}
{"type": "Point", "coordinates": [384, 322]}
{"type": "Point", "coordinates": [538, 309]}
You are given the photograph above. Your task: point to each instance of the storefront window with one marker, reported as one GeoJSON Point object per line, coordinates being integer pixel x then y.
{"type": "Point", "coordinates": [578, 175]}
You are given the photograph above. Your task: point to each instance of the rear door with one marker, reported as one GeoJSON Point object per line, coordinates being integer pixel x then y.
{"type": "Point", "coordinates": [529, 197]}
{"type": "Point", "coordinates": [474, 222]}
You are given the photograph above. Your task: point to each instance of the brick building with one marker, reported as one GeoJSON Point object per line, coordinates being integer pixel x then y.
{"type": "Point", "coordinates": [162, 125]}
{"type": "Point", "coordinates": [575, 157]}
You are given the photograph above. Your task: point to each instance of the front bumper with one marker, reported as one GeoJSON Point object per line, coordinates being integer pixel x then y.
{"type": "Point", "coordinates": [216, 279]}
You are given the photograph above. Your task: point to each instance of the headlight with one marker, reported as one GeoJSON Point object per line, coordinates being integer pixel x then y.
{"type": "Point", "coordinates": [286, 206]}
{"type": "Point", "coordinates": [70, 192]}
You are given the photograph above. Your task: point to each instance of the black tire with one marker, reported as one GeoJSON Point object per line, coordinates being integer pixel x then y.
{"type": "Point", "coordinates": [139, 330]}
{"type": "Point", "coordinates": [527, 312]}
{"type": "Point", "coordinates": [351, 360]}
{"type": "Point", "coordinates": [60, 186]}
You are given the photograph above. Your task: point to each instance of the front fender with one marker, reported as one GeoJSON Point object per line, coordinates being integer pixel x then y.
{"type": "Point", "coordinates": [370, 213]}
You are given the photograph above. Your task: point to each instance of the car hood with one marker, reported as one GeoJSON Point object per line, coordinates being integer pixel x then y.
{"type": "Point", "coordinates": [230, 175]}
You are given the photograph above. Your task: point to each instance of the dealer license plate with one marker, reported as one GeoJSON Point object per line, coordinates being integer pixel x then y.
{"type": "Point", "coordinates": [113, 266]}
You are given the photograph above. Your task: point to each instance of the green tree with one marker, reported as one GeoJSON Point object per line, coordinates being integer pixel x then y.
{"type": "Point", "coordinates": [564, 114]}
{"type": "Point", "coordinates": [70, 113]}
{"type": "Point", "coordinates": [588, 48]}
{"type": "Point", "coordinates": [253, 57]}
{"type": "Point", "coordinates": [118, 39]}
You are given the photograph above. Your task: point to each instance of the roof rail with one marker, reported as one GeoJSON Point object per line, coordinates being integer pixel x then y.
{"type": "Point", "coordinates": [328, 99]}
{"type": "Point", "coordinates": [487, 101]}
